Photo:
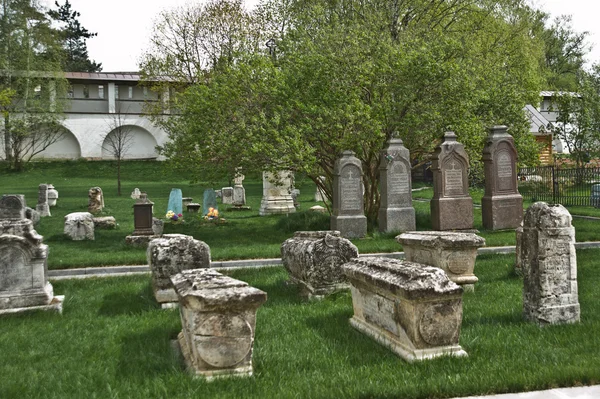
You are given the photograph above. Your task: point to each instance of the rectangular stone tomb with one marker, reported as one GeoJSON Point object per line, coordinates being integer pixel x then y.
{"type": "Point", "coordinates": [218, 318]}
{"type": "Point", "coordinates": [412, 309]}
{"type": "Point", "coordinates": [453, 252]}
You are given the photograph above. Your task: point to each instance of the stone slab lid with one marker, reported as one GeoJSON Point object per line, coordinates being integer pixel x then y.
{"type": "Point", "coordinates": [445, 239]}
{"type": "Point", "coordinates": [316, 234]}
{"type": "Point", "coordinates": [211, 289]}
{"type": "Point", "coordinates": [408, 279]}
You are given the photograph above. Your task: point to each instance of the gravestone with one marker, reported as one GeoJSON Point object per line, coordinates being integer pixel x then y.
{"type": "Point", "coordinates": [501, 205]}
{"type": "Point", "coordinates": [185, 201]}
{"type": "Point", "coordinates": [95, 200]}
{"type": "Point", "coordinates": [451, 205]}
{"type": "Point", "coordinates": [348, 212]}
{"type": "Point", "coordinates": [135, 194]}
{"type": "Point", "coordinates": [142, 216]}
{"type": "Point", "coordinates": [175, 201]}
{"type": "Point", "coordinates": [42, 205]}
{"type": "Point", "coordinates": [227, 195]}
{"type": "Point", "coordinates": [319, 194]}
{"type": "Point", "coordinates": [32, 215]}
{"type": "Point", "coordinates": [218, 319]}
{"type": "Point", "coordinates": [239, 192]}
{"type": "Point", "coordinates": [23, 262]}
{"type": "Point", "coordinates": [105, 223]}
{"type": "Point", "coordinates": [79, 226]}
{"type": "Point", "coordinates": [209, 201]}
{"type": "Point", "coordinates": [277, 196]}
{"type": "Point", "coordinates": [52, 195]}
{"type": "Point", "coordinates": [549, 265]}
{"type": "Point", "coordinates": [396, 212]}
{"type": "Point", "coordinates": [595, 195]}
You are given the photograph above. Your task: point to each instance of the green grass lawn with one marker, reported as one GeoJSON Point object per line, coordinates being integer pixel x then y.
{"type": "Point", "coordinates": [114, 342]}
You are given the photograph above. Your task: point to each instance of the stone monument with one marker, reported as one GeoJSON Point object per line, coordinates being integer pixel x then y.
{"type": "Point", "coordinates": [79, 226]}
{"type": "Point", "coordinates": [549, 265]}
{"type": "Point", "coordinates": [314, 261]}
{"type": "Point", "coordinates": [135, 194]}
{"type": "Point", "coordinates": [209, 200]}
{"type": "Point", "coordinates": [42, 206]}
{"type": "Point", "coordinates": [501, 205]}
{"type": "Point", "coordinates": [169, 255]}
{"type": "Point", "coordinates": [175, 201]}
{"type": "Point", "coordinates": [227, 195]}
{"type": "Point", "coordinates": [145, 226]}
{"type": "Point", "coordinates": [348, 211]}
{"type": "Point", "coordinates": [23, 262]}
{"type": "Point", "coordinates": [218, 318]}
{"type": "Point", "coordinates": [451, 205]}
{"type": "Point", "coordinates": [96, 200]}
{"type": "Point", "coordinates": [396, 212]}
{"type": "Point", "coordinates": [277, 196]}
{"type": "Point", "coordinates": [239, 192]}
{"type": "Point", "coordinates": [52, 195]}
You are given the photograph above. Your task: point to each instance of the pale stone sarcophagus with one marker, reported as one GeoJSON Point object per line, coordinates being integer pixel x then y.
{"type": "Point", "coordinates": [412, 309]}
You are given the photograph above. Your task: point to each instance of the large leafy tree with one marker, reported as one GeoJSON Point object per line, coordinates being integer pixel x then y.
{"type": "Point", "coordinates": [73, 37]}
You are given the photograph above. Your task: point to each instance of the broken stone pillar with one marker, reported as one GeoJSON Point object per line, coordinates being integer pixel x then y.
{"type": "Point", "coordinates": [414, 310]}
{"type": "Point", "coordinates": [169, 255]}
{"type": "Point", "coordinates": [501, 205]}
{"type": "Point", "coordinates": [42, 205]}
{"type": "Point", "coordinates": [453, 252]}
{"type": "Point", "coordinates": [218, 318]}
{"type": "Point", "coordinates": [348, 211]}
{"type": "Point", "coordinates": [396, 212]}
{"type": "Point", "coordinates": [52, 195]}
{"type": "Point", "coordinates": [105, 222]}
{"type": "Point", "coordinates": [549, 265]}
{"type": "Point", "coordinates": [23, 262]}
{"type": "Point", "coordinates": [451, 205]}
{"type": "Point", "coordinates": [277, 196]}
{"type": "Point", "coordinates": [95, 200]}
{"type": "Point", "coordinates": [314, 261]}
{"type": "Point", "coordinates": [79, 226]}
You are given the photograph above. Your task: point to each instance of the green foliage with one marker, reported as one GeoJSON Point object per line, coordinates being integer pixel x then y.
{"type": "Point", "coordinates": [303, 221]}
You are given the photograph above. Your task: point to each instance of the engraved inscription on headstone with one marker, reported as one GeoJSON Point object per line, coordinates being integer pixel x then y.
{"type": "Point", "coordinates": [399, 179]}
{"type": "Point", "coordinates": [12, 264]}
{"type": "Point", "coordinates": [453, 180]}
{"type": "Point", "coordinates": [505, 171]}
{"type": "Point", "coordinates": [351, 189]}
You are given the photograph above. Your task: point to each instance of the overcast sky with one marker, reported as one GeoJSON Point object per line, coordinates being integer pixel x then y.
{"type": "Point", "coordinates": [123, 26]}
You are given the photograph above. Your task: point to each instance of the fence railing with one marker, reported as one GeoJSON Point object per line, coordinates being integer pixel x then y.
{"type": "Point", "coordinates": [559, 185]}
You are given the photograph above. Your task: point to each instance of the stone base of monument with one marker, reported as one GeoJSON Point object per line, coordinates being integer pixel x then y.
{"type": "Point", "coordinates": [350, 226]}
{"type": "Point", "coordinates": [139, 241]}
{"type": "Point", "coordinates": [397, 219]}
{"type": "Point", "coordinates": [316, 293]}
{"type": "Point", "coordinates": [412, 309]}
{"type": "Point", "coordinates": [277, 205]}
{"type": "Point", "coordinates": [453, 252]}
{"type": "Point", "coordinates": [55, 305]}
{"type": "Point", "coordinates": [167, 298]}
{"type": "Point", "coordinates": [502, 212]}
{"type": "Point", "coordinates": [452, 213]}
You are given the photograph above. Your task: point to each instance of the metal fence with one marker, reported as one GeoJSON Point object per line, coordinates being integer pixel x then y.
{"type": "Point", "coordinates": [560, 185]}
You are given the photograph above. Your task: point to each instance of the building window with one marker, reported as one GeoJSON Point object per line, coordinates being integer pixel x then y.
{"type": "Point", "coordinates": [86, 91]}
{"type": "Point", "coordinates": [130, 94]}
{"type": "Point", "coordinates": [100, 91]}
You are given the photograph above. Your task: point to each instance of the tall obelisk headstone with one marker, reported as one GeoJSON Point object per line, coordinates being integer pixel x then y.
{"type": "Point", "coordinates": [451, 205]}
{"type": "Point", "coordinates": [502, 205]}
{"type": "Point", "coordinates": [348, 211]}
{"type": "Point", "coordinates": [396, 212]}
{"type": "Point", "coordinates": [42, 205]}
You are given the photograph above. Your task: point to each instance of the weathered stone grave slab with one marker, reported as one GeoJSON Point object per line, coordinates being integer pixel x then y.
{"type": "Point", "coordinates": [42, 205]}
{"type": "Point", "coordinates": [453, 252]}
{"type": "Point", "coordinates": [227, 195]}
{"type": "Point", "coordinates": [412, 309]}
{"type": "Point", "coordinates": [169, 255]}
{"type": "Point", "coordinates": [79, 226]}
{"type": "Point", "coordinates": [348, 211]}
{"type": "Point", "coordinates": [314, 261]}
{"type": "Point", "coordinates": [52, 195]}
{"type": "Point", "coordinates": [209, 201]}
{"type": "Point", "coordinates": [175, 201]}
{"type": "Point", "coordinates": [239, 192]}
{"type": "Point", "coordinates": [549, 265]}
{"type": "Point", "coordinates": [277, 197]}
{"type": "Point", "coordinates": [218, 316]}
{"type": "Point", "coordinates": [105, 222]}
{"type": "Point", "coordinates": [185, 201]}
{"type": "Point", "coordinates": [95, 200]}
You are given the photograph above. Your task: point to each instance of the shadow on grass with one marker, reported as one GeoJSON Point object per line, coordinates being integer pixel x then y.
{"type": "Point", "coordinates": [128, 303]}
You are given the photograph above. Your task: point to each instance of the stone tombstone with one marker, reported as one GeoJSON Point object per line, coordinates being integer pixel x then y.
{"type": "Point", "coordinates": [95, 200]}
{"type": "Point", "coordinates": [277, 198]}
{"type": "Point", "coordinates": [42, 205]}
{"type": "Point", "coordinates": [501, 205]}
{"type": "Point", "coordinates": [218, 318]}
{"type": "Point", "coordinates": [135, 194]}
{"type": "Point", "coordinates": [348, 212]}
{"type": "Point", "coordinates": [143, 221]}
{"type": "Point", "coordinates": [239, 192]}
{"type": "Point", "coordinates": [52, 195]}
{"type": "Point", "coordinates": [295, 193]}
{"type": "Point", "coordinates": [185, 201]}
{"type": "Point", "coordinates": [79, 226]}
{"type": "Point", "coordinates": [175, 201]}
{"type": "Point", "coordinates": [314, 261]}
{"type": "Point", "coordinates": [595, 195]}
{"type": "Point", "coordinates": [451, 205]}
{"type": "Point", "coordinates": [209, 201]}
{"type": "Point", "coordinates": [453, 252]}
{"type": "Point", "coordinates": [23, 262]}
{"type": "Point", "coordinates": [319, 194]}
{"type": "Point", "coordinates": [169, 255]}
{"type": "Point", "coordinates": [549, 265]}
{"type": "Point", "coordinates": [105, 223]}
{"type": "Point", "coordinates": [412, 309]}
{"type": "Point", "coordinates": [396, 212]}
{"type": "Point", "coordinates": [32, 215]}
{"type": "Point", "coordinates": [227, 195]}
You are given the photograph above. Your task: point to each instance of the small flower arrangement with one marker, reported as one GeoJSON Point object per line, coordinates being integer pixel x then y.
{"type": "Point", "coordinates": [212, 214]}
{"type": "Point", "coordinates": [174, 217]}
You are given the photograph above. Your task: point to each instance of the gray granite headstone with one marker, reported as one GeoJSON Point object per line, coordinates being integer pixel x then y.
{"type": "Point", "coordinates": [42, 205]}
{"type": "Point", "coordinates": [348, 211]}
{"type": "Point", "coordinates": [227, 195]}
{"type": "Point", "coordinates": [209, 201]}
{"type": "Point", "coordinates": [502, 205]}
{"type": "Point", "coordinates": [396, 212]}
{"type": "Point", "coordinates": [451, 205]}
{"type": "Point", "coordinates": [12, 206]}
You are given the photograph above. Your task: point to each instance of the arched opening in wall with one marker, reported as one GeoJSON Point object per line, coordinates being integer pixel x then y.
{"type": "Point", "coordinates": [133, 142]}
{"type": "Point", "coordinates": [67, 147]}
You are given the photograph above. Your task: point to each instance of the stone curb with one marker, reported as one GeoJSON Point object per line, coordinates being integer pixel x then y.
{"type": "Point", "coordinates": [251, 263]}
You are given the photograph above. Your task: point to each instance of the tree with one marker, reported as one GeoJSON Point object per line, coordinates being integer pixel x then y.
{"type": "Point", "coordinates": [73, 38]}
{"type": "Point", "coordinates": [32, 85]}
{"type": "Point", "coordinates": [119, 140]}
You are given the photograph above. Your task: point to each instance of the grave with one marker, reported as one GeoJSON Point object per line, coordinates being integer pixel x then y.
{"type": "Point", "coordinates": [23, 262]}
{"type": "Point", "coordinates": [414, 310]}
{"type": "Point", "coordinates": [451, 205]}
{"type": "Point", "coordinates": [52, 195]}
{"type": "Point", "coordinates": [348, 211]}
{"type": "Point", "coordinates": [135, 194]}
{"type": "Point", "coordinates": [319, 194]}
{"type": "Point", "coordinates": [277, 196]}
{"type": "Point", "coordinates": [79, 226]}
{"type": "Point", "coordinates": [227, 195]}
{"type": "Point", "coordinates": [209, 201]}
{"type": "Point", "coordinates": [169, 255]}
{"type": "Point", "coordinates": [185, 201]}
{"type": "Point", "coordinates": [501, 205]}
{"type": "Point", "coordinates": [314, 261]}
{"type": "Point", "coordinates": [549, 265]}
{"type": "Point", "coordinates": [218, 318]}
{"type": "Point", "coordinates": [193, 207]}
{"type": "Point", "coordinates": [105, 223]}
{"type": "Point", "coordinates": [42, 205]}
{"type": "Point", "coordinates": [396, 212]}
{"type": "Point", "coordinates": [175, 201]}
{"type": "Point", "coordinates": [32, 215]}
{"type": "Point", "coordinates": [95, 200]}
{"type": "Point", "coordinates": [453, 252]}
{"type": "Point", "coordinates": [146, 227]}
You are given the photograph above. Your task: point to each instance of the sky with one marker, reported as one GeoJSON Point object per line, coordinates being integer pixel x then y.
{"type": "Point", "coordinates": [124, 26]}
